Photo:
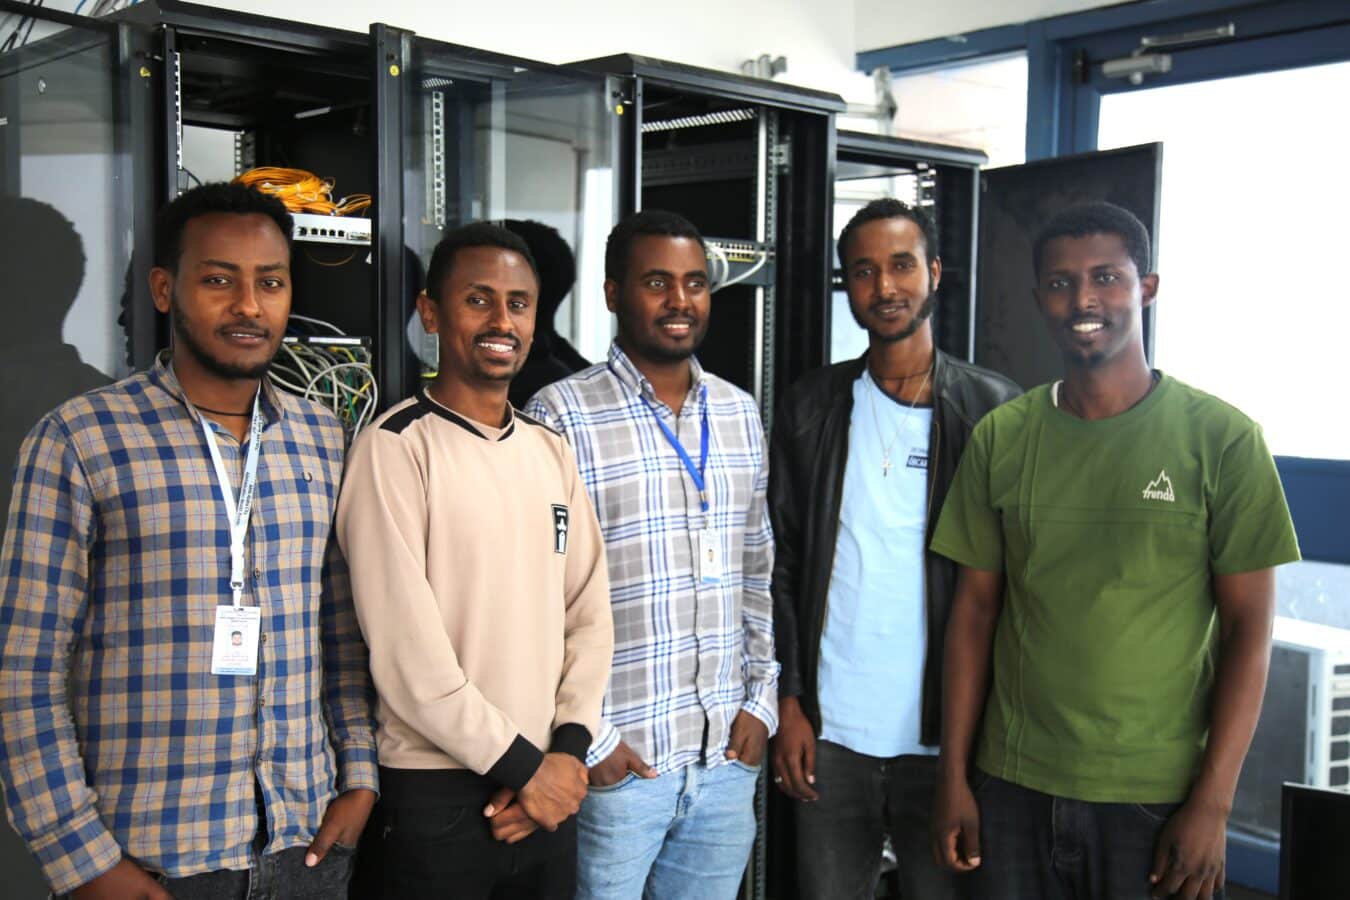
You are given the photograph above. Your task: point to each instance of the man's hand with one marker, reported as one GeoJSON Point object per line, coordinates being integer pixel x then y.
{"type": "Point", "coordinates": [615, 767]}
{"type": "Point", "coordinates": [124, 881]}
{"type": "Point", "coordinates": [955, 831]}
{"type": "Point", "coordinates": [555, 791]}
{"type": "Point", "coordinates": [1189, 859]}
{"type": "Point", "coordinates": [749, 737]}
{"type": "Point", "coordinates": [794, 752]}
{"type": "Point", "coordinates": [343, 823]}
{"type": "Point", "coordinates": [509, 821]}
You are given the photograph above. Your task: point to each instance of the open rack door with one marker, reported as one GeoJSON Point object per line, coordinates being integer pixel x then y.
{"type": "Point", "coordinates": [1015, 203]}
{"type": "Point", "coordinates": [70, 216]}
{"type": "Point", "coordinates": [471, 135]}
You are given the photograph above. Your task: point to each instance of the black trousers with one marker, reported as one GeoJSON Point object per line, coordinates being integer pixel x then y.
{"type": "Point", "coordinates": [428, 839]}
{"type": "Point", "coordinates": [862, 799]}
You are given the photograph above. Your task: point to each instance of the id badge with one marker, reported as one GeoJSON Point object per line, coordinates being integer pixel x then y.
{"type": "Point", "coordinates": [709, 557]}
{"type": "Point", "coordinates": [234, 650]}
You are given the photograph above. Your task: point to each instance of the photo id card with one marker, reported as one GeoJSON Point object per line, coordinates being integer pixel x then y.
{"type": "Point", "coordinates": [709, 557]}
{"type": "Point", "coordinates": [234, 651]}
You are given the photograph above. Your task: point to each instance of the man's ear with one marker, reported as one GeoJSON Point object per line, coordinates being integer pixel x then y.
{"type": "Point", "coordinates": [611, 295]}
{"type": "Point", "coordinates": [935, 273]}
{"type": "Point", "coordinates": [161, 288]}
{"type": "Point", "coordinates": [1148, 289]}
{"type": "Point", "coordinates": [426, 312]}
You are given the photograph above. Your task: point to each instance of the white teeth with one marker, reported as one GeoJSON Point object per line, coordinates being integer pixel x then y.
{"type": "Point", "coordinates": [1087, 327]}
{"type": "Point", "coordinates": [497, 348]}
{"type": "Point", "coordinates": [676, 326]}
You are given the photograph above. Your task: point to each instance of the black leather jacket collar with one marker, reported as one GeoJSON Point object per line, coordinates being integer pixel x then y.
{"type": "Point", "coordinates": [809, 450]}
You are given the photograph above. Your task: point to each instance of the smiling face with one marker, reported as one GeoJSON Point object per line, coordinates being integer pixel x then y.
{"type": "Point", "coordinates": [485, 317]}
{"type": "Point", "coordinates": [891, 283]}
{"type": "Point", "coordinates": [1093, 297]}
{"type": "Point", "coordinates": [662, 303]}
{"type": "Point", "coordinates": [231, 295]}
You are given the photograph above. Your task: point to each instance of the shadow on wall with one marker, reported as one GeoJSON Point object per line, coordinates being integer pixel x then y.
{"type": "Point", "coordinates": [43, 259]}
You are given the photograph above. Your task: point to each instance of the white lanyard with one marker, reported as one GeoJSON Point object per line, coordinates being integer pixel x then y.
{"type": "Point", "coordinates": [239, 512]}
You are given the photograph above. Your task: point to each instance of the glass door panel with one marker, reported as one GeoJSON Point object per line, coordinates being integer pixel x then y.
{"type": "Point", "coordinates": [66, 246]}
{"type": "Point", "coordinates": [487, 138]}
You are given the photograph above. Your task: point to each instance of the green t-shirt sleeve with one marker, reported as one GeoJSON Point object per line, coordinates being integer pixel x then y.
{"type": "Point", "coordinates": [1249, 523]}
{"type": "Point", "coordinates": [970, 530]}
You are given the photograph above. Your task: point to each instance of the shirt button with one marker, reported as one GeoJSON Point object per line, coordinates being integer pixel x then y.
{"type": "Point", "coordinates": [262, 701]}
{"type": "Point", "coordinates": [262, 639]}
{"type": "Point", "coordinates": [257, 572]}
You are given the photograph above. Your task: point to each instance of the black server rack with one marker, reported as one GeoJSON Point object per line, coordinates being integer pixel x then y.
{"type": "Point", "coordinates": [750, 162]}
{"type": "Point", "coordinates": [435, 134]}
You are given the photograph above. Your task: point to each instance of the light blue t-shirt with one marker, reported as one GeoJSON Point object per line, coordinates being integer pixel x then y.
{"type": "Point", "coordinates": [876, 628]}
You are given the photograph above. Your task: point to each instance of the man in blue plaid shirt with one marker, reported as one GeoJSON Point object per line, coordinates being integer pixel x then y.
{"type": "Point", "coordinates": [146, 752]}
{"type": "Point", "coordinates": [674, 459]}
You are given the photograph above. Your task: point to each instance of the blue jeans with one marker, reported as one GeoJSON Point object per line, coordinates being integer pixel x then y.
{"type": "Point", "coordinates": [1035, 846]}
{"type": "Point", "coordinates": [862, 799]}
{"type": "Point", "coordinates": [686, 835]}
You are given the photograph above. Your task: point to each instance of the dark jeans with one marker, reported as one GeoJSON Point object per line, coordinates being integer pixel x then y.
{"type": "Point", "coordinates": [277, 876]}
{"type": "Point", "coordinates": [862, 799]}
{"type": "Point", "coordinates": [429, 840]}
{"type": "Point", "coordinates": [1035, 846]}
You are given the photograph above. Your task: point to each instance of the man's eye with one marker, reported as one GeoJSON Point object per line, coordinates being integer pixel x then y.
{"type": "Point", "coordinates": [656, 284]}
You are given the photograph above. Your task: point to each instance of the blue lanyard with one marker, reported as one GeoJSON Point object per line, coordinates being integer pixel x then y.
{"type": "Point", "coordinates": [696, 474]}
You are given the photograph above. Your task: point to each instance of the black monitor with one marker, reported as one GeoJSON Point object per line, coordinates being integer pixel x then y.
{"type": "Point", "coordinates": [1314, 843]}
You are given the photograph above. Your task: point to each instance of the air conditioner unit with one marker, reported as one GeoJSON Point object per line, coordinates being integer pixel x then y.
{"type": "Point", "coordinates": [1304, 732]}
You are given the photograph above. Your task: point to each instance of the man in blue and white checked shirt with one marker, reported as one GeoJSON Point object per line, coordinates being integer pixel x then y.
{"type": "Point", "coordinates": [180, 762]}
{"type": "Point", "coordinates": [675, 462]}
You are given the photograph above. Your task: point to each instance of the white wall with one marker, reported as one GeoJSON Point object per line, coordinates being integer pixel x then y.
{"type": "Point", "coordinates": [886, 23]}
{"type": "Point", "coordinates": [817, 36]}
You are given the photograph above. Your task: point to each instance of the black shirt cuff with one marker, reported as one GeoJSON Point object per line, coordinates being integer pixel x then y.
{"type": "Point", "coordinates": [573, 739]}
{"type": "Point", "coordinates": [517, 765]}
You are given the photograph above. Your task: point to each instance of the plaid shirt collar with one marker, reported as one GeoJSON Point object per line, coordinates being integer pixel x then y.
{"type": "Point", "coordinates": [635, 382]}
{"type": "Point", "coordinates": [162, 375]}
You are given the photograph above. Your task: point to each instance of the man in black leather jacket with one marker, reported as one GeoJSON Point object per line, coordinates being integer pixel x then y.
{"type": "Point", "coordinates": [860, 605]}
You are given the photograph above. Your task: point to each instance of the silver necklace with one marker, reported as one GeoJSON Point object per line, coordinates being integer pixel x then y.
{"type": "Point", "coordinates": [899, 429]}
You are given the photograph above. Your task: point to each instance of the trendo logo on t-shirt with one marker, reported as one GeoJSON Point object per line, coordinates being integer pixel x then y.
{"type": "Point", "coordinates": [1160, 488]}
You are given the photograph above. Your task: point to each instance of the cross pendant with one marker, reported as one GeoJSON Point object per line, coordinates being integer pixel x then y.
{"type": "Point", "coordinates": [885, 465]}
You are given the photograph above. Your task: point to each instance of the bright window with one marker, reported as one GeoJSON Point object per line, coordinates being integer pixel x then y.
{"type": "Point", "coordinates": [982, 105]}
{"type": "Point", "coordinates": [1253, 305]}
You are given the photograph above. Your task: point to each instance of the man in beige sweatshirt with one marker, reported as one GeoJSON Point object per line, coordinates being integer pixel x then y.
{"type": "Point", "coordinates": [480, 583]}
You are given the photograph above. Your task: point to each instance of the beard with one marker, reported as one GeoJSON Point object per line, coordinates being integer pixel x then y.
{"type": "Point", "coordinates": [656, 350]}
{"type": "Point", "coordinates": [213, 364]}
{"type": "Point", "coordinates": [924, 313]}
{"type": "Point", "coordinates": [481, 372]}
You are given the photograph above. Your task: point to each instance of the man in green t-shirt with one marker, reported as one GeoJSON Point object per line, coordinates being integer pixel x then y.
{"type": "Point", "coordinates": [1110, 635]}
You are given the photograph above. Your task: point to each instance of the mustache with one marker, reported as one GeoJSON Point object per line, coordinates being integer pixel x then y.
{"type": "Point", "coordinates": [501, 336]}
